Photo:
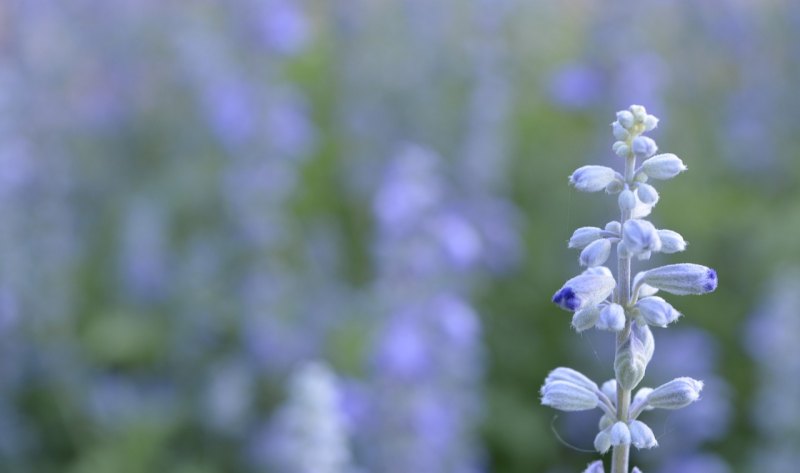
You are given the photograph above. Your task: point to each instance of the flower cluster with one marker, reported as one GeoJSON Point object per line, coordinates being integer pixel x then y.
{"type": "Point", "coordinates": [626, 304]}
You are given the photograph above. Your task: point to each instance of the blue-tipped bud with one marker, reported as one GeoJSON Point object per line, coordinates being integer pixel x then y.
{"type": "Point", "coordinates": [592, 178]}
{"type": "Point", "coordinates": [612, 317]}
{"type": "Point", "coordinates": [633, 356]}
{"type": "Point", "coordinates": [678, 393]}
{"type": "Point", "coordinates": [626, 200]}
{"type": "Point", "coordinates": [585, 319]}
{"type": "Point", "coordinates": [681, 279]}
{"type": "Point", "coordinates": [596, 253]}
{"type": "Point", "coordinates": [647, 194]}
{"type": "Point", "coordinates": [650, 122]}
{"type": "Point", "coordinates": [671, 242]}
{"type": "Point", "coordinates": [656, 311]}
{"type": "Point", "coordinates": [663, 166]}
{"type": "Point", "coordinates": [643, 147]}
{"type": "Point", "coordinates": [586, 290]}
{"type": "Point", "coordinates": [602, 442]}
{"type": "Point", "coordinates": [571, 376]}
{"type": "Point", "coordinates": [567, 396]}
{"type": "Point", "coordinates": [641, 435]}
{"type": "Point", "coordinates": [620, 434]}
{"type": "Point", "coordinates": [594, 467]}
{"type": "Point", "coordinates": [621, 149]}
{"type": "Point", "coordinates": [619, 131]}
{"type": "Point", "coordinates": [625, 118]}
{"type": "Point", "coordinates": [640, 237]}
{"type": "Point", "coordinates": [583, 236]}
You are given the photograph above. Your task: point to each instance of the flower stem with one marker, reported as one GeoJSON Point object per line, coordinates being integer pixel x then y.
{"type": "Point", "coordinates": [619, 458]}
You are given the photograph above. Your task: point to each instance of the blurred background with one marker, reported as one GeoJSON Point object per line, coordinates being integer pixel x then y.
{"type": "Point", "coordinates": [310, 236]}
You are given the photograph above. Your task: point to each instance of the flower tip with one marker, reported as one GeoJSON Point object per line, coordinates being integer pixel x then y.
{"type": "Point", "coordinates": [566, 298]}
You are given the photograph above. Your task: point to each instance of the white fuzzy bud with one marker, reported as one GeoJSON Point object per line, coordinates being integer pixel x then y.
{"type": "Point", "coordinates": [681, 279]}
{"type": "Point", "coordinates": [602, 442]}
{"type": "Point", "coordinates": [619, 131]}
{"type": "Point", "coordinates": [612, 317]}
{"type": "Point", "coordinates": [671, 242]}
{"type": "Point", "coordinates": [640, 236]}
{"type": "Point", "coordinates": [625, 118]}
{"type": "Point", "coordinates": [643, 147]}
{"type": "Point", "coordinates": [647, 194]}
{"type": "Point", "coordinates": [596, 253]}
{"type": "Point", "coordinates": [592, 178]}
{"type": "Point", "coordinates": [613, 227]}
{"type": "Point", "coordinates": [588, 289]}
{"type": "Point", "coordinates": [621, 149]}
{"type": "Point", "coordinates": [569, 397]}
{"type": "Point", "coordinates": [650, 122]}
{"type": "Point", "coordinates": [571, 376]}
{"type": "Point", "coordinates": [639, 113]}
{"type": "Point", "coordinates": [641, 435]}
{"type": "Point", "coordinates": [633, 356]}
{"type": "Point", "coordinates": [626, 199]}
{"type": "Point", "coordinates": [594, 467]}
{"type": "Point", "coordinates": [583, 236]}
{"type": "Point", "coordinates": [585, 319]}
{"type": "Point", "coordinates": [620, 434]}
{"type": "Point", "coordinates": [609, 388]}
{"type": "Point", "coordinates": [663, 166]}
{"type": "Point", "coordinates": [656, 311]}
{"type": "Point", "coordinates": [678, 393]}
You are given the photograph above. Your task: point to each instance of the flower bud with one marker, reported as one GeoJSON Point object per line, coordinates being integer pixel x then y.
{"type": "Point", "coordinates": [625, 118]}
{"type": "Point", "coordinates": [639, 113]}
{"type": "Point", "coordinates": [647, 194]}
{"type": "Point", "coordinates": [650, 122]}
{"type": "Point", "coordinates": [641, 435]}
{"type": "Point", "coordinates": [571, 376]}
{"type": "Point", "coordinates": [641, 210]}
{"type": "Point", "coordinates": [596, 253]}
{"type": "Point", "coordinates": [663, 166]}
{"type": "Point", "coordinates": [643, 147]}
{"type": "Point", "coordinates": [602, 442]}
{"type": "Point", "coordinates": [613, 227]}
{"type": "Point", "coordinates": [678, 393]}
{"type": "Point", "coordinates": [612, 317]}
{"type": "Point", "coordinates": [609, 388]}
{"type": "Point", "coordinates": [583, 236]}
{"type": "Point", "coordinates": [619, 131]}
{"type": "Point", "coordinates": [656, 311]}
{"type": "Point", "coordinates": [640, 236]}
{"type": "Point", "coordinates": [594, 467]}
{"type": "Point", "coordinates": [566, 396]}
{"type": "Point", "coordinates": [671, 242]}
{"type": "Point", "coordinates": [632, 358]}
{"type": "Point", "coordinates": [592, 178]}
{"type": "Point", "coordinates": [621, 149]}
{"type": "Point", "coordinates": [585, 319]}
{"type": "Point", "coordinates": [585, 290]}
{"type": "Point", "coordinates": [620, 434]}
{"type": "Point", "coordinates": [681, 279]}
{"type": "Point", "coordinates": [626, 199]}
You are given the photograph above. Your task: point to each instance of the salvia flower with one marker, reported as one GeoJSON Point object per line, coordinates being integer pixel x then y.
{"type": "Point", "coordinates": [671, 242]}
{"type": "Point", "coordinates": [647, 194]}
{"type": "Point", "coordinates": [656, 311]}
{"type": "Point", "coordinates": [583, 236]}
{"type": "Point", "coordinates": [567, 396]}
{"type": "Point", "coordinates": [585, 290]}
{"type": "Point", "coordinates": [633, 356]}
{"type": "Point", "coordinates": [663, 166]}
{"type": "Point", "coordinates": [678, 393]}
{"type": "Point", "coordinates": [640, 238]}
{"type": "Point", "coordinates": [571, 376]}
{"type": "Point", "coordinates": [643, 147]}
{"type": "Point", "coordinates": [596, 253]}
{"type": "Point", "coordinates": [681, 279]}
{"type": "Point", "coordinates": [602, 441]}
{"type": "Point", "coordinates": [612, 317]}
{"type": "Point", "coordinates": [585, 319]}
{"type": "Point", "coordinates": [620, 434]}
{"type": "Point", "coordinates": [641, 435]}
{"type": "Point", "coordinates": [592, 178]}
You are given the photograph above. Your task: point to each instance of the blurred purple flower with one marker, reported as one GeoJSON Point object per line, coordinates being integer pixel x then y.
{"type": "Point", "coordinates": [575, 86]}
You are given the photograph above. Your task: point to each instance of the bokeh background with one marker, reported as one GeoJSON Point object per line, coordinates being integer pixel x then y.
{"type": "Point", "coordinates": [312, 236]}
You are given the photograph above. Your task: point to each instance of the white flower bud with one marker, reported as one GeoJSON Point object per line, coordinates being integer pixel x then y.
{"type": "Point", "coordinates": [647, 194]}
{"type": "Point", "coordinates": [625, 118]}
{"type": "Point", "coordinates": [571, 376]}
{"type": "Point", "coordinates": [620, 434]}
{"type": "Point", "coordinates": [632, 358]}
{"type": "Point", "coordinates": [650, 122]}
{"type": "Point", "coordinates": [621, 149]}
{"type": "Point", "coordinates": [566, 396]}
{"type": "Point", "coordinates": [656, 311]}
{"type": "Point", "coordinates": [583, 236]}
{"type": "Point", "coordinates": [592, 178]}
{"type": "Point", "coordinates": [643, 147]}
{"type": "Point", "coordinates": [663, 166]}
{"type": "Point", "coordinates": [596, 253]}
{"type": "Point", "coordinates": [640, 236]}
{"type": "Point", "coordinates": [681, 279]}
{"type": "Point", "coordinates": [586, 290]}
{"type": "Point", "coordinates": [626, 199]}
{"type": "Point", "coordinates": [602, 442]}
{"type": "Point", "coordinates": [641, 435]}
{"type": "Point", "coordinates": [671, 242]}
{"type": "Point", "coordinates": [613, 227]}
{"type": "Point", "coordinates": [605, 422]}
{"type": "Point", "coordinates": [609, 388]}
{"type": "Point", "coordinates": [612, 317]}
{"type": "Point", "coordinates": [594, 467]}
{"type": "Point", "coordinates": [639, 113]}
{"type": "Point", "coordinates": [585, 319]}
{"type": "Point", "coordinates": [619, 131]}
{"type": "Point", "coordinates": [678, 393]}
